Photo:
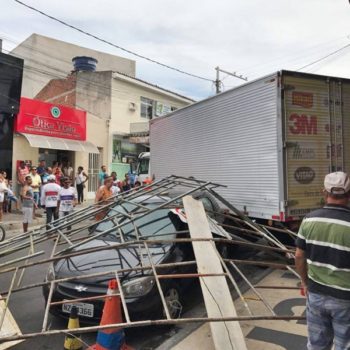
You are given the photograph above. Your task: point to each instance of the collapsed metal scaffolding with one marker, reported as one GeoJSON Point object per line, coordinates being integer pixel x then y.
{"type": "Point", "coordinates": [72, 234]}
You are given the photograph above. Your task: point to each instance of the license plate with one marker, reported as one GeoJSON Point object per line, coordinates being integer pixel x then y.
{"type": "Point", "coordinates": [85, 310]}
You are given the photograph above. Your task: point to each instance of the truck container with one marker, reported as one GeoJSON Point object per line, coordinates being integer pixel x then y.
{"type": "Point", "coordinates": [270, 141]}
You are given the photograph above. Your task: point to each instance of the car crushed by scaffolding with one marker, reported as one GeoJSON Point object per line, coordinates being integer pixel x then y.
{"type": "Point", "coordinates": [152, 240]}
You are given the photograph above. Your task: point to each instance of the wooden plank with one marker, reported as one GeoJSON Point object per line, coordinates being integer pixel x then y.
{"type": "Point", "coordinates": [216, 293]}
{"type": "Point", "coordinates": [8, 328]}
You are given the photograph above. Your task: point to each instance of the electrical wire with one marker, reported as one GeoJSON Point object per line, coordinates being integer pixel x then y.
{"type": "Point", "coordinates": [110, 43]}
{"type": "Point", "coordinates": [103, 89]}
{"type": "Point", "coordinates": [323, 58]}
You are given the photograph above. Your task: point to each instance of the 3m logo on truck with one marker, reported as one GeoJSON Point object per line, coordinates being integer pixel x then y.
{"type": "Point", "coordinates": [303, 99]}
{"type": "Point", "coordinates": [304, 175]}
{"type": "Point", "coordinates": [303, 124]}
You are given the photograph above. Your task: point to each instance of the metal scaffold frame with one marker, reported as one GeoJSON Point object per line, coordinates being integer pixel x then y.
{"type": "Point", "coordinates": [72, 232]}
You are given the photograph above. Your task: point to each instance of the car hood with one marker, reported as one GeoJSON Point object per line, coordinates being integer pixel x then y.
{"type": "Point", "coordinates": [110, 260]}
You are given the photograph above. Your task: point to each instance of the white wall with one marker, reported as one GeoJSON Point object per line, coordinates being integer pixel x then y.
{"type": "Point", "coordinates": [131, 91]}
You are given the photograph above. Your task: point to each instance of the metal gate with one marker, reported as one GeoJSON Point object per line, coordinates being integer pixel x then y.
{"type": "Point", "coordinates": [94, 168]}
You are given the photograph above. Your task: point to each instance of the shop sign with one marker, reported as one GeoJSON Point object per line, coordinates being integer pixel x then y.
{"type": "Point", "coordinates": [304, 175]}
{"type": "Point", "coordinates": [303, 99]}
{"type": "Point", "coordinates": [41, 118]}
{"type": "Point", "coordinates": [139, 139]}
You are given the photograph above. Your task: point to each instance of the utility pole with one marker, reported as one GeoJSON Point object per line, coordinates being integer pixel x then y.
{"type": "Point", "coordinates": [218, 81]}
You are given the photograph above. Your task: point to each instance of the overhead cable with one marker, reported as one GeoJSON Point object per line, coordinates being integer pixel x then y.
{"type": "Point", "coordinates": [324, 57]}
{"type": "Point", "coordinates": [112, 44]}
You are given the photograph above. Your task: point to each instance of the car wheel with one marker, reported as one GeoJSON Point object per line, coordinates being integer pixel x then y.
{"type": "Point", "coordinates": [224, 250]}
{"type": "Point", "coordinates": [2, 233]}
{"type": "Point", "coordinates": [173, 300]}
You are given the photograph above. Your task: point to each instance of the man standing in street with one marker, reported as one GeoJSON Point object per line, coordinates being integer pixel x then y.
{"type": "Point", "coordinates": [41, 168]}
{"type": "Point", "coordinates": [80, 178]}
{"type": "Point", "coordinates": [103, 195]}
{"type": "Point", "coordinates": [36, 184]}
{"type": "Point", "coordinates": [67, 199]}
{"type": "Point", "coordinates": [102, 175]}
{"type": "Point", "coordinates": [49, 198]}
{"type": "Point", "coordinates": [323, 261]}
{"type": "Point", "coordinates": [68, 171]}
{"type": "Point", "coordinates": [28, 202]}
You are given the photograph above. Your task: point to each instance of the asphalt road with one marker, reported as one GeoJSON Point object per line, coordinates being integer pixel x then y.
{"type": "Point", "coordinates": [28, 309]}
{"type": "Point", "coordinates": [28, 306]}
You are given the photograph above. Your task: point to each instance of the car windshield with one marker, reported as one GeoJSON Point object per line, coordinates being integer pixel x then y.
{"type": "Point", "coordinates": [158, 224]}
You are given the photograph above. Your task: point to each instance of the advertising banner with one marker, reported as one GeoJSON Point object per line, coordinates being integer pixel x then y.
{"type": "Point", "coordinates": [41, 118]}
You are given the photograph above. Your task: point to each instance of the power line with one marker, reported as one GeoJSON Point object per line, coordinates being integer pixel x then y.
{"type": "Point", "coordinates": [55, 73]}
{"type": "Point", "coordinates": [110, 43]}
{"type": "Point", "coordinates": [324, 57]}
{"type": "Point", "coordinates": [56, 70]}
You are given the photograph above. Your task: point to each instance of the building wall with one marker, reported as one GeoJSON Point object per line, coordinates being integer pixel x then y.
{"type": "Point", "coordinates": [130, 92]}
{"type": "Point", "coordinates": [47, 58]}
{"type": "Point", "coordinates": [60, 91]}
{"type": "Point", "coordinates": [93, 93]}
{"type": "Point", "coordinates": [22, 151]}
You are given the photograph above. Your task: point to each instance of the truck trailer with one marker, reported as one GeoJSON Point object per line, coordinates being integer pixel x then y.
{"type": "Point", "coordinates": [270, 141]}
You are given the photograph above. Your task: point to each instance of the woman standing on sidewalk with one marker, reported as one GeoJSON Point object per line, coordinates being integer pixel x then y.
{"type": "Point", "coordinates": [80, 179]}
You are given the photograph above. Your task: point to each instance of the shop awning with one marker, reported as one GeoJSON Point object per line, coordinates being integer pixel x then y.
{"type": "Point", "coordinates": [63, 144]}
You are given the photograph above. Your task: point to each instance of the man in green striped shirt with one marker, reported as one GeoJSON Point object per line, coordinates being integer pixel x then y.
{"type": "Point", "coordinates": [323, 261]}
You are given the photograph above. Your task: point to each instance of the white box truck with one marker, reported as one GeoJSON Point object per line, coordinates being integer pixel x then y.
{"type": "Point", "coordinates": [270, 141]}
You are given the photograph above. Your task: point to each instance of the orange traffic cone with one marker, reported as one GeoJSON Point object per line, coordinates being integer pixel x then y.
{"type": "Point", "coordinates": [111, 338]}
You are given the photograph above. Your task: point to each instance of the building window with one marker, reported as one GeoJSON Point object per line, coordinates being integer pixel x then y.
{"type": "Point", "coordinates": [147, 106]}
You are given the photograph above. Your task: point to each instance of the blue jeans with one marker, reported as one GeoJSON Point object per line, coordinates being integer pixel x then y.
{"type": "Point", "coordinates": [36, 197]}
{"type": "Point", "coordinates": [328, 320]}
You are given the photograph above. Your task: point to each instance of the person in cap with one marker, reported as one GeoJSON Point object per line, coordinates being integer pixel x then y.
{"type": "Point", "coordinates": [322, 259]}
{"type": "Point", "coordinates": [49, 199]}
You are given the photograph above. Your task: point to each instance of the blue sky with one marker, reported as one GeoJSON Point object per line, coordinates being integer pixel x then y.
{"type": "Point", "coordinates": [253, 37]}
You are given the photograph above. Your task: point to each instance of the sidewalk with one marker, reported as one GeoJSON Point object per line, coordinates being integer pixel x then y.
{"type": "Point", "coordinates": [13, 221]}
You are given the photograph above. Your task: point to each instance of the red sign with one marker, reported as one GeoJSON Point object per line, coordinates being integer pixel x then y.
{"type": "Point", "coordinates": [303, 99]}
{"type": "Point", "coordinates": [303, 124]}
{"type": "Point", "coordinates": [41, 118]}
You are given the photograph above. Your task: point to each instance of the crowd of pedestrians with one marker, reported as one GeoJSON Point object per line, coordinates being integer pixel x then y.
{"type": "Point", "coordinates": [50, 188]}
{"type": "Point", "coordinates": [56, 189]}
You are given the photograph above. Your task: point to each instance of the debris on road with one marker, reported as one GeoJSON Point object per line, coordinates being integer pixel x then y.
{"type": "Point", "coordinates": [153, 265]}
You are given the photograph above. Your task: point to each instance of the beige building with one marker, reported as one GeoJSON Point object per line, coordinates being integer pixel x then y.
{"type": "Point", "coordinates": [47, 58]}
{"type": "Point", "coordinates": [118, 106]}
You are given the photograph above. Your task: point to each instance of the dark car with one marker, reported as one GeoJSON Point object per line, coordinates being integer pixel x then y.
{"type": "Point", "coordinates": [139, 287]}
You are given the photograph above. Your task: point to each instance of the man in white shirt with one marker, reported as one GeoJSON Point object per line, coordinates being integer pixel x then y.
{"type": "Point", "coordinates": [67, 199]}
{"type": "Point", "coordinates": [116, 184]}
{"type": "Point", "coordinates": [49, 198]}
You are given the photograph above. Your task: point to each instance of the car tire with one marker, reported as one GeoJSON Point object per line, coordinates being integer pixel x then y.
{"type": "Point", "coordinates": [173, 300]}
{"type": "Point", "coordinates": [2, 233]}
{"type": "Point", "coordinates": [225, 250]}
